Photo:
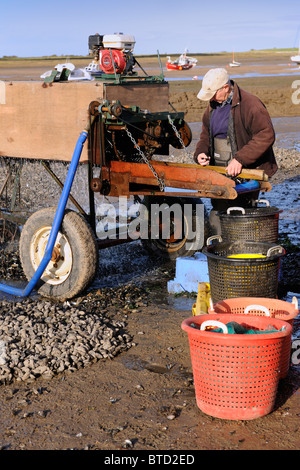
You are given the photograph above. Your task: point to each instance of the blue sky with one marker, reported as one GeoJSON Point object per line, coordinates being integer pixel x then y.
{"type": "Point", "coordinates": [62, 27]}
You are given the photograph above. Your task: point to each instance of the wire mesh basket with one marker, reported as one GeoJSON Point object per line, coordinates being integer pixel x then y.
{"type": "Point", "coordinates": [243, 268]}
{"type": "Point", "coordinates": [256, 223]}
{"type": "Point", "coordinates": [236, 376]}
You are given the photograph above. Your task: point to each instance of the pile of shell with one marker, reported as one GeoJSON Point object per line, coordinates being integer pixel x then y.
{"type": "Point", "coordinates": [39, 338]}
{"type": "Point", "coordinates": [43, 338]}
{"type": "Point", "coordinates": [10, 265]}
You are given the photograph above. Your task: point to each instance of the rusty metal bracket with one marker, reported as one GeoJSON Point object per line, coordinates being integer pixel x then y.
{"type": "Point", "coordinates": [128, 178]}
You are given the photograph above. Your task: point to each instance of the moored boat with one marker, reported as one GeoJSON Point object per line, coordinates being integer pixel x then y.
{"type": "Point", "coordinates": [183, 62]}
{"type": "Point", "coordinates": [234, 63]}
{"type": "Point", "coordinates": [296, 58]}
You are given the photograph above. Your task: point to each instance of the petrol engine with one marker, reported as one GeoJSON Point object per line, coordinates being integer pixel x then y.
{"type": "Point", "coordinates": [113, 52]}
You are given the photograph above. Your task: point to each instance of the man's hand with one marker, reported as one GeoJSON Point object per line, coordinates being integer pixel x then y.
{"type": "Point", "coordinates": [203, 159]}
{"type": "Point", "coordinates": [234, 168]}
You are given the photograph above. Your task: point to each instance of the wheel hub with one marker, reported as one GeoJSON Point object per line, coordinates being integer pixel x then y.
{"type": "Point", "coordinates": [60, 265]}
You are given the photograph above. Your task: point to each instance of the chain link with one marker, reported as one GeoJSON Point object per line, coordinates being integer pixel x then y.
{"type": "Point", "coordinates": [161, 183]}
{"type": "Point", "coordinates": [188, 154]}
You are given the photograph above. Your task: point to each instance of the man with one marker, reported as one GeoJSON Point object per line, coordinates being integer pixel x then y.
{"type": "Point", "coordinates": [237, 132]}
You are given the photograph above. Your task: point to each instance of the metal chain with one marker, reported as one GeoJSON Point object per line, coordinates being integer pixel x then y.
{"type": "Point", "coordinates": [188, 154]}
{"type": "Point", "coordinates": [161, 183]}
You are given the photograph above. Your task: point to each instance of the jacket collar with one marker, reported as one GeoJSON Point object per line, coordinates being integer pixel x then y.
{"type": "Point", "coordinates": [236, 98]}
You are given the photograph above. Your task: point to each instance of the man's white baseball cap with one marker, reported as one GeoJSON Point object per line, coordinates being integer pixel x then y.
{"type": "Point", "coordinates": [212, 81]}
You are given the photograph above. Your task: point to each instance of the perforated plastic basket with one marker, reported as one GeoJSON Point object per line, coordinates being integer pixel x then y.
{"type": "Point", "coordinates": [236, 375]}
{"type": "Point", "coordinates": [256, 223]}
{"type": "Point", "coordinates": [264, 307]}
{"type": "Point", "coordinates": [246, 276]}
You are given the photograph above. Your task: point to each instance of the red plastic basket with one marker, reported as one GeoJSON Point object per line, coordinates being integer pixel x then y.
{"type": "Point", "coordinates": [236, 375]}
{"type": "Point", "coordinates": [258, 306]}
{"type": "Point", "coordinates": [266, 307]}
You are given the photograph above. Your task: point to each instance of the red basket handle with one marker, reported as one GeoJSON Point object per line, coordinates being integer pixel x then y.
{"type": "Point", "coordinates": [258, 307]}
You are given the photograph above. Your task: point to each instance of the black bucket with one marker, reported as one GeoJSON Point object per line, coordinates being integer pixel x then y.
{"type": "Point", "coordinates": [257, 223]}
{"type": "Point", "coordinates": [253, 271]}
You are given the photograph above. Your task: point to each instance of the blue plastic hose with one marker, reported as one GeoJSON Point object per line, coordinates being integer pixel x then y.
{"type": "Point", "coordinates": [56, 223]}
{"type": "Point", "coordinates": [246, 187]}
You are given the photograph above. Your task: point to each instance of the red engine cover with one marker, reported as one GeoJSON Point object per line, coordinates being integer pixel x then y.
{"type": "Point", "coordinates": [106, 63]}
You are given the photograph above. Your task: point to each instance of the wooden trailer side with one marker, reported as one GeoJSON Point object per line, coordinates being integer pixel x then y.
{"type": "Point", "coordinates": [42, 121]}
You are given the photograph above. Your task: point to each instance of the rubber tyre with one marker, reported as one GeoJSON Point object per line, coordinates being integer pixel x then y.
{"type": "Point", "coordinates": [76, 270]}
{"type": "Point", "coordinates": [178, 248]}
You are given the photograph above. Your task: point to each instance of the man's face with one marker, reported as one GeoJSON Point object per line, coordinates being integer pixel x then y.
{"type": "Point", "coordinates": [221, 94]}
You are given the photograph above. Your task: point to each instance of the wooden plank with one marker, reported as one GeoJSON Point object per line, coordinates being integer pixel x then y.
{"type": "Point", "coordinates": [44, 121]}
{"type": "Point", "coordinates": [246, 173]}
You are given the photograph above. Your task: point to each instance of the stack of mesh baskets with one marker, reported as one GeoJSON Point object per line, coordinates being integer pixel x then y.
{"type": "Point", "coordinates": [236, 375]}
{"type": "Point", "coordinates": [246, 260]}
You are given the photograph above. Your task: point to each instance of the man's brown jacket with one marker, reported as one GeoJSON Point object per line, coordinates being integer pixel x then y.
{"type": "Point", "coordinates": [252, 132]}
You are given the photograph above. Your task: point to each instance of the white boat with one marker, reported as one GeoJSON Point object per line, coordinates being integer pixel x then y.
{"type": "Point", "coordinates": [296, 58]}
{"type": "Point", "coordinates": [234, 63]}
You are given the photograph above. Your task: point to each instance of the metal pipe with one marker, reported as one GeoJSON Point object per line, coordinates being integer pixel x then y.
{"type": "Point", "coordinates": [56, 223]}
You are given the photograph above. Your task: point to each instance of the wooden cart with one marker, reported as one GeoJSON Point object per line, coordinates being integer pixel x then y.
{"type": "Point", "coordinates": [126, 122]}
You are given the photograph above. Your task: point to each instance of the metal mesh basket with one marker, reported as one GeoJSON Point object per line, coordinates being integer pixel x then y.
{"type": "Point", "coordinates": [254, 274]}
{"type": "Point", "coordinates": [256, 223]}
